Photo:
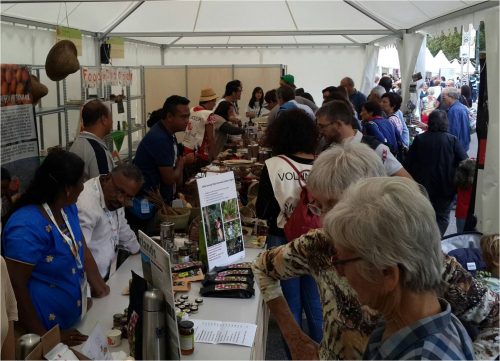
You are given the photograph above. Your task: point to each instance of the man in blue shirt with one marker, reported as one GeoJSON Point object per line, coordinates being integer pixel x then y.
{"type": "Point", "coordinates": [355, 97]}
{"type": "Point", "coordinates": [158, 156]}
{"type": "Point", "coordinates": [458, 116]}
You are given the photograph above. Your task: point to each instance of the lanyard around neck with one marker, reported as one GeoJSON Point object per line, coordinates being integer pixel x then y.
{"type": "Point", "coordinates": [70, 241]}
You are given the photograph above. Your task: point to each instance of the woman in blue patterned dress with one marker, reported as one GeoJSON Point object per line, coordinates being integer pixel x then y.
{"type": "Point", "coordinates": [44, 249]}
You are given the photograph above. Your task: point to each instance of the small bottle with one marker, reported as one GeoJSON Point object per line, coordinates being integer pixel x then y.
{"type": "Point", "coordinates": [186, 333]}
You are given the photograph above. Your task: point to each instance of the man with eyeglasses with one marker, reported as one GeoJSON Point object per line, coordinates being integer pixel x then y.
{"type": "Point", "coordinates": [335, 122]}
{"type": "Point", "coordinates": [346, 324]}
{"type": "Point", "coordinates": [102, 217]}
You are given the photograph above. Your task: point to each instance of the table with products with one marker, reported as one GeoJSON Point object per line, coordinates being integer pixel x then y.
{"type": "Point", "coordinates": [252, 310]}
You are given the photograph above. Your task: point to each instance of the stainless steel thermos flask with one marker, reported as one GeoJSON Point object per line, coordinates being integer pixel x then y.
{"type": "Point", "coordinates": [153, 326]}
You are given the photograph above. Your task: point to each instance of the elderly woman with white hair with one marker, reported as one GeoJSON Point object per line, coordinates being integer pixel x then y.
{"type": "Point", "coordinates": [388, 247]}
{"type": "Point", "coordinates": [346, 324]}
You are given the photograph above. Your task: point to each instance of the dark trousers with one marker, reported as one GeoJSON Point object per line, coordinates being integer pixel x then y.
{"type": "Point", "coordinates": [442, 207]}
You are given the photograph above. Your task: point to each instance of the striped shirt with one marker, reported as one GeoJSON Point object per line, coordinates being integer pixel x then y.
{"type": "Point", "coordinates": [437, 337]}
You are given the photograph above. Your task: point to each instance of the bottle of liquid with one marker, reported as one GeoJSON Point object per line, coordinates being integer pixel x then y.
{"type": "Point", "coordinates": [153, 327]}
{"type": "Point", "coordinates": [186, 335]}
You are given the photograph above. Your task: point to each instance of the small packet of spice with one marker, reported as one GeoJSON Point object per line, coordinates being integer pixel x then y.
{"type": "Point", "coordinates": [181, 267]}
{"type": "Point", "coordinates": [190, 275]}
{"type": "Point", "coordinates": [242, 265]}
{"type": "Point", "coordinates": [180, 286]}
{"type": "Point", "coordinates": [236, 272]}
{"type": "Point", "coordinates": [228, 290]}
{"type": "Point", "coordinates": [213, 279]}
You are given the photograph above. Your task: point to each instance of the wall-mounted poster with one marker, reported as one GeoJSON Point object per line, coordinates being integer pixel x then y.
{"type": "Point", "coordinates": [19, 142]}
{"type": "Point", "coordinates": [221, 219]}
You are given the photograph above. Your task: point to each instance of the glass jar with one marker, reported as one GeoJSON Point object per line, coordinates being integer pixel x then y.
{"type": "Point", "coordinates": [186, 334]}
{"type": "Point", "coordinates": [183, 254]}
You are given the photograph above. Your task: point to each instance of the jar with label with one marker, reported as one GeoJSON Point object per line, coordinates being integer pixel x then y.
{"type": "Point", "coordinates": [186, 334]}
{"type": "Point", "coordinates": [183, 254]}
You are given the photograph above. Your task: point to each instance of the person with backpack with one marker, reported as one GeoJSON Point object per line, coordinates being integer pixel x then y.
{"type": "Point", "coordinates": [293, 138]}
{"type": "Point", "coordinates": [375, 125]}
{"type": "Point", "coordinates": [336, 125]}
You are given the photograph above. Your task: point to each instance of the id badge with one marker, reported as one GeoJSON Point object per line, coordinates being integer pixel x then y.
{"type": "Point", "coordinates": [85, 290]}
{"type": "Point", "coordinates": [114, 262]}
{"type": "Point", "coordinates": [144, 206]}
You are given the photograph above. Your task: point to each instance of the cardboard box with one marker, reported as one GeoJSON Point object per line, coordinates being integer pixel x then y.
{"type": "Point", "coordinates": [48, 342]}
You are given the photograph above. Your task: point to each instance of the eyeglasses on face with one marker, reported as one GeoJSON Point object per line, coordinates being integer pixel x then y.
{"type": "Point", "coordinates": [343, 262]}
{"type": "Point", "coordinates": [323, 126]}
{"type": "Point", "coordinates": [314, 208]}
{"type": "Point", "coordinates": [120, 193]}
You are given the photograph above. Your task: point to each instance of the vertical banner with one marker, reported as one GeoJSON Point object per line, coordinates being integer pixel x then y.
{"type": "Point", "coordinates": [117, 48]}
{"type": "Point", "coordinates": [19, 143]}
{"type": "Point", "coordinates": [221, 219]}
{"type": "Point", "coordinates": [156, 270]}
{"type": "Point", "coordinates": [73, 35]}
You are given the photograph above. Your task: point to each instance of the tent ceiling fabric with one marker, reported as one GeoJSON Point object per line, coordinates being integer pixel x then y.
{"type": "Point", "coordinates": [268, 21]}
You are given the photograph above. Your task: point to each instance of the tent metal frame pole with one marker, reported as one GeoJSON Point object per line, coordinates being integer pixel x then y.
{"type": "Point", "coordinates": [174, 34]}
{"type": "Point", "coordinates": [121, 19]}
{"type": "Point", "coordinates": [37, 24]}
{"type": "Point", "coordinates": [291, 45]}
{"type": "Point", "coordinates": [14, 20]}
{"type": "Point", "coordinates": [478, 7]}
{"type": "Point", "coordinates": [371, 16]}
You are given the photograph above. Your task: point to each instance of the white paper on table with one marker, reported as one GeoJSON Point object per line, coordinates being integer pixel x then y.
{"type": "Point", "coordinates": [96, 346]}
{"type": "Point", "coordinates": [216, 332]}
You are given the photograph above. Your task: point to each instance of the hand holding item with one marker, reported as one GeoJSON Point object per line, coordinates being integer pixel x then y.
{"type": "Point", "coordinates": [72, 337]}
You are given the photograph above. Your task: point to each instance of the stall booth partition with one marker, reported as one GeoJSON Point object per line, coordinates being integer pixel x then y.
{"type": "Point", "coordinates": [163, 81]}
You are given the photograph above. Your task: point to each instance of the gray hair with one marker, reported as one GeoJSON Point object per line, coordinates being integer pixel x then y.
{"type": "Point", "coordinates": [452, 92]}
{"type": "Point", "coordinates": [129, 171]}
{"type": "Point", "coordinates": [378, 91]}
{"type": "Point", "coordinates": [387, 221]}
{"type": "Point", "coordinates": [337, 168]}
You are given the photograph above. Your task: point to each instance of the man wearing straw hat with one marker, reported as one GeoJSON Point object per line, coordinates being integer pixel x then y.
{"type": "Point", "coordinates": [89, 145]}
{"type": "Point", "coordinates": [199, 133]}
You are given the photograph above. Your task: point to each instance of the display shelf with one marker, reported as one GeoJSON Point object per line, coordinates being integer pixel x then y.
{"type": "Point", "coordinates": [42, 111]}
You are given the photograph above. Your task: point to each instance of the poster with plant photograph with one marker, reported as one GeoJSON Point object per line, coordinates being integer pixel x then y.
{"type": "Point", "coordinates": [221, 219]}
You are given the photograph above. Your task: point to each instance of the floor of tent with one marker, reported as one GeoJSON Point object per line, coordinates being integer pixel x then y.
{"type": "Point", "coordinates": [275, 347]}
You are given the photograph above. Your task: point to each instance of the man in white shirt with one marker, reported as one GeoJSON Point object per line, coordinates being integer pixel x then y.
{"type": "Point", "coordinates": [335, 122]}
{"type": "Point", "coordinates": [102, 215]}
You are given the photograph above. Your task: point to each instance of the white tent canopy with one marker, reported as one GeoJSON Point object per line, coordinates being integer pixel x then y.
{"type": "Point", "coordinates": [232, 23]}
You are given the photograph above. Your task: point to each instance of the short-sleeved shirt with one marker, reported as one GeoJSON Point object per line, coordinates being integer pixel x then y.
{"type": "Point", "coordinates": [157, 149]}
{"type": "Point", "coordinates": [437, 337]}
{"type": "Point", "coordinates": [82, 148]}
{"type": "Point", "coordinates": [55, 282]}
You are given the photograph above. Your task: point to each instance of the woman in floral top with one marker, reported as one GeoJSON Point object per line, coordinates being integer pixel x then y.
{"type": "Point", "coordinates": [346, 324]}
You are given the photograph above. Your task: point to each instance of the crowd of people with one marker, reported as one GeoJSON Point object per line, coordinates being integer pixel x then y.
{"type": "Point", "coordinates": [370, 275]}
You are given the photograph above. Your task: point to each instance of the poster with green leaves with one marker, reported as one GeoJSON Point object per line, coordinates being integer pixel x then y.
{"type": "Point", "coordinates": [221, 219]}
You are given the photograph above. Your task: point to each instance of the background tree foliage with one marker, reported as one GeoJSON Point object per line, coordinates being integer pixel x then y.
{"type": "Point", "coordinates": [450, 43]}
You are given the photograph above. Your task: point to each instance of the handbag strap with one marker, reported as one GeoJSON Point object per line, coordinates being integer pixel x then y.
{"type": "Point", "coordinates": [295, 169]}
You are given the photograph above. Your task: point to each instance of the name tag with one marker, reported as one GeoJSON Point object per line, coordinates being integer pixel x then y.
{"type": "Point", "coordinates": [471, 266]}
{"type": "Point", "coordinates": [144, 206]}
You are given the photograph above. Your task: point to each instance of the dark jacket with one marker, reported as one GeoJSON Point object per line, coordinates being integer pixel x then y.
{"type": "Point", "coordinates": [432, 161]}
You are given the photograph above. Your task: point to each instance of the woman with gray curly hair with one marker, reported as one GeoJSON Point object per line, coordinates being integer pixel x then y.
{"type": "Point", "coordinates": [388, 247]}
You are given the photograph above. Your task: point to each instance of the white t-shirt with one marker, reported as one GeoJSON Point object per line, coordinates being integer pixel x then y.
{"type": "Point", "coordinates": [391, 164]}
{"type": "Point", "coordinates": [285, 183]}
{"type": "Point", "coordinates": [103, 229]}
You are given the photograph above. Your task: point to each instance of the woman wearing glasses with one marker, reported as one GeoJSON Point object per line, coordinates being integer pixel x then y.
{"type": "Point", "coordinates": [293, 138]}
{"type": "Point", "coordinates": [346, 324]}
{"type": "Point", "coordinates": [45, 251]}
{"type": "Point", "coordinates": [395, 268]}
